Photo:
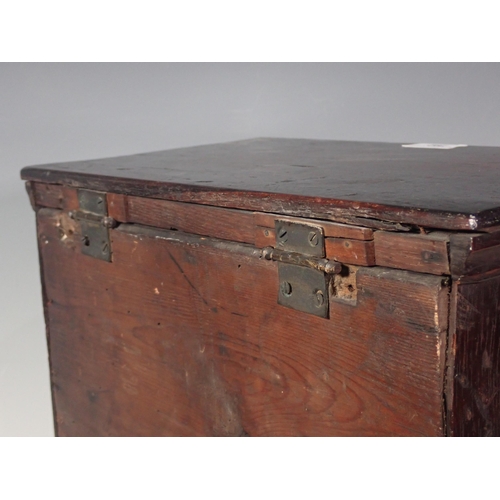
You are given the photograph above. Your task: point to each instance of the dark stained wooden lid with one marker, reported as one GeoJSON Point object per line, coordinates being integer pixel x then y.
{"type": "Point", "coordinates": [455, 189]}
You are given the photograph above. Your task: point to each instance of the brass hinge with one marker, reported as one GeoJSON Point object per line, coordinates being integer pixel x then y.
{"type": "Point", "coordinates": [304, 272]}
{"type": "Point", "coordinates": [94, 224]}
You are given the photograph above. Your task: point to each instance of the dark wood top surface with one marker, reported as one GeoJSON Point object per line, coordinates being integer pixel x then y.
{"type": "Point", "coordinates": [443, 188]}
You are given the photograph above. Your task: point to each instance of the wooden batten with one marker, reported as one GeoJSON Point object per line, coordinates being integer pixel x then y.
{"type": "Point", "coordinates": [359, 253]}
{"type": "Point", "coordinates": [474, 254]}
{"type": "Point", "coordinates": [265, 237]}
{"type": "Point", "coordinates": [439, 253]}
{"type": "Point", "coordinates": [223, 223]}
{"type": "Point", "coordinates": [52, 196]}
{"type": "Point", "coordinates": [425, 253]}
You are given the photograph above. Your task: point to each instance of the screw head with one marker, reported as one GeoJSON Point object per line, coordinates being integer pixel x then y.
{"type": "Point", "coordinates": [266, 232]}
{"type": "Point", "coordinates": [320, 298]}
{"type": "Point", "coordinates": [109, 222]}
{"type": "Point", "coordinates": [286, 288]}
{"type": "Point", "coordinates": [313, 239]}
{"type": "Point", "coordinates": [283, 234]}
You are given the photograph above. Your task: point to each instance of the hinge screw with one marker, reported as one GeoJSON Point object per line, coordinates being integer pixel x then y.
{"type": "Point", "coordinates": [320, 298]}
{"type": "Point", "coordinates": [109, 222]}
{"type": "Point", "coordinates": [286, 289]}
{"type": "Point", "coordinates": [313, 239]}
{"type": "Point", "coordinates": [283, 234]}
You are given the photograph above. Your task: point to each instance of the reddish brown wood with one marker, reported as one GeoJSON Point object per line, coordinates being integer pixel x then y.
{"type": "Point", "coordinates": [52, 196]}
{"type": "Point", "coordinates": [361, 253]}
{"type": "Point", "coordinates": [48, 195]}
{"type": "Point", "coordinates": [368, 184]}
{"type": "Point", "coordinates": [265, 237]}
{"type": "Point", "coordinates": [473, 393]}
{"type": "Point", "coordinates": [182, 335]}
{"type": "Point", "coordinates": [118, 207]}
{"type": "Point", "coordinates": [425, 253]}
{"type": "Point", "coordinates": [234, 225]}
{"type": "Point", "coordinates": [472, 255]}
{"type": "Point", "coordinates": [69, 198]}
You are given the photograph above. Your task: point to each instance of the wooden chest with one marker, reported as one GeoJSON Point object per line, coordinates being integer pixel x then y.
{"type": "Point", "coordinates": [273, 287]}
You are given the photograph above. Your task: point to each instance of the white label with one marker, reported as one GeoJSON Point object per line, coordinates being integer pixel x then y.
{"type": "Point", "coordinates": [434, 146]}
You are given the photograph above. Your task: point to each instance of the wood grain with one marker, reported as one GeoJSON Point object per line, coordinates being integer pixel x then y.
{"type": "Point", "coordinates": [361, 253]}
{"type": "Point", "coordinates": [265, 237]}
{"type": "Point", "coordinates": [354, 182]}
{"type": "Point", "coordinates": [47, 195]}
{"type": "Point", "coordinates": [425, 253]}
{"type": "Point", "coordinates": [472, 255]}
{"type": "Point", "coordinates": [233, 225]}
{"type": "Point", "coordinates": [53, 196]}
{"type": "Point", "coordinates": [473, 393]}
{"type": "Point", "coordinates": [118, 207]}
{"type": "Point", "coordinates": [181, 335]}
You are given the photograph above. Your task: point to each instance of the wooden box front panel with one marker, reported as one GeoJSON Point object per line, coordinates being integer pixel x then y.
{"type": "Point", "coordinates": [184, 338]}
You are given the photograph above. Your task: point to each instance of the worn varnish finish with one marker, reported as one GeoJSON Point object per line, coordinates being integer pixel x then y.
{"type": "Point", "coordinates": [181, 333]}
{"type": "Point", "coordinates": [474, 254]}
{"type": "Point", "coordinates": [474, 373]}
{"type": "Point", "coordinates": [371, 184]}
{"type": "Point", "coordinates": [361, 253]}
{"type": "Point", "coordinates": [424, 253]}
{"type": "Point", "coordinates": [174, 338]}
{"type": "Point", "coordinates": [52, 196]}
{"type": "Point", "coordinates": [235, 225]}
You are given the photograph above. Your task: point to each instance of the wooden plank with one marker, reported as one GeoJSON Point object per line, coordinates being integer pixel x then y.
{"type": "Point", "coordinates": [265, 237]}
{"type": "Point", "coordinates": [177, 338]}
{"type": "Point", "coordinates": [52, 196]}
{"type": "Point", "coordinates": [480, 241]}
{"type": "Point", "coordinates": [118, 207]}
{"type": "Point", "coordinates": [332, 180]}
{"type": "Point", "coordinates": [424, 253]}
{"type": "Point", "coordinates": [227, 224]}
{"type": "Point", "coordinates": [48, 195]}
{"type": "Point", "coordinates": [471, 255]}
{"type": "Point", "coordinates": [357, 252]}
{"type": "Point", "coordinates": [473, 396]}
{"type": "Point", "coordinates": [330, 228]}
{"type": "Point", "coordinates": [70, 198]}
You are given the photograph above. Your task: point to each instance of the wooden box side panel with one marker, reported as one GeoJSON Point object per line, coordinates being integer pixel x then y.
{"type": "Point", "coordinates": [176, 338]}
{"type": "Point", "coordinates": [474, 373]}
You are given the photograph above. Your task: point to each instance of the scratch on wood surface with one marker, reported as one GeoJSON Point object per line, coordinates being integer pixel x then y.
{"type": "Point", "coordinates": [188, 281]}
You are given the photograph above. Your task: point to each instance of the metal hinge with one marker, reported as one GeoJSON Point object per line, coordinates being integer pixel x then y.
{"type": "Point", "coordinates": [304, 272]}
{"type": "Point", "coordinates": [94, 224]}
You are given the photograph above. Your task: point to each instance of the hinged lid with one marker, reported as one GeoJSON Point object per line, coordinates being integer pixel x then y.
{"type": "Point", "coordinates": [356, 182]}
